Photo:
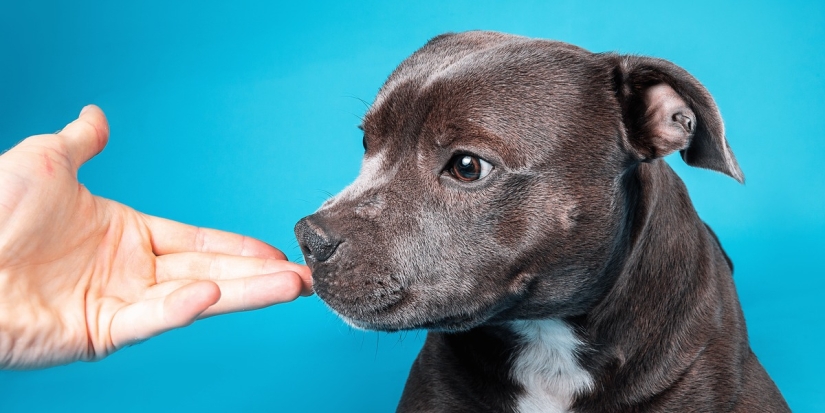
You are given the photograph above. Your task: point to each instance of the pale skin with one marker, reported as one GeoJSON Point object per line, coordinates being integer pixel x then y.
{"type": "Point", "coordinates": [82, 276]}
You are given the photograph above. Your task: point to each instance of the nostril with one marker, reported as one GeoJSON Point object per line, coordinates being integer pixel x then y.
{"type": "Point", "coordinates": [304, 248]}
{"type": "Point", "coordinates": [314, 241]}
{"type": "Point", "coordinates": [322, 250]}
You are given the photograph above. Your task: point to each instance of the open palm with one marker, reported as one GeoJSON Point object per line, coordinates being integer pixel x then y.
{"type": "Point", "coordinates": [82, 276]}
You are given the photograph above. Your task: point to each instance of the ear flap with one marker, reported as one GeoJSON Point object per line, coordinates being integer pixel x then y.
{"type": "Point", "coordinates": [666, 109]}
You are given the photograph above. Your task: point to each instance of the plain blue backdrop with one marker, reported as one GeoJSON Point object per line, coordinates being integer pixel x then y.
{"type": "Point", "coordinates": [242, 116]}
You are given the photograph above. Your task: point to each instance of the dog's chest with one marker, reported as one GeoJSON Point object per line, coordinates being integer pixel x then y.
{"type": "Point", "coordinates": [546, 367]}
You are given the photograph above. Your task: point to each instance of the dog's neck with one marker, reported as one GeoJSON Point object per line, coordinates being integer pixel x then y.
{"type": "Point", "coordinates": [581, 363]}
{"type": "Point", "coordinates": [677, 262]}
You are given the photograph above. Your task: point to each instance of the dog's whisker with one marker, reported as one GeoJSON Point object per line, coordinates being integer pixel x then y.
{"type": "Point", "coordinates": [360, 118]}
{"type": "Point", "coordinates": [366, 104]}
{"type": "Point", "coordinates": [377, 342]}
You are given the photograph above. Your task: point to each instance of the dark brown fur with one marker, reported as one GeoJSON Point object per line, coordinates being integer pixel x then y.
{"type": "Point", "coordinates": [580, 221]}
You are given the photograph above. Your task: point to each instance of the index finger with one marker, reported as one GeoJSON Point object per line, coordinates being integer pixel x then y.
{"type": "Point", "coordinates": [169, 237]}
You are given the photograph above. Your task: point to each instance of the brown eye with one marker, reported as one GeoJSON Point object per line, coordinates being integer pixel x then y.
{"type": "Point", "coordinates": [468, 168]}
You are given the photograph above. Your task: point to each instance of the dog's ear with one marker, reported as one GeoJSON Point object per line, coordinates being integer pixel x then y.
{"type": "Point", "coordinates": [666, 109]}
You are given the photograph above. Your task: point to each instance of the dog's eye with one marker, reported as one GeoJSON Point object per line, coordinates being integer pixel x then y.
{"type": "Point", "coordinates": [468, 168]}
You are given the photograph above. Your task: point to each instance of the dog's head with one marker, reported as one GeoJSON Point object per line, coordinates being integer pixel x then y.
{"type": "Point", "coordinates": [492, 181]}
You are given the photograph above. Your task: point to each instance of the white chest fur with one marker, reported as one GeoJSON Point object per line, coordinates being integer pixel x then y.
{"type": "Point", "coordinates": [547, 368]}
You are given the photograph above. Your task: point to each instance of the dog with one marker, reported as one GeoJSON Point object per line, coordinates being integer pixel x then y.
{"type": "Point", "coordinates": [514, 202]}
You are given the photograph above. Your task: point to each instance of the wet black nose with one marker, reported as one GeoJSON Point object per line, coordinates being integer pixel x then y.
{"type": "Point", "coordinates": [316, 243]}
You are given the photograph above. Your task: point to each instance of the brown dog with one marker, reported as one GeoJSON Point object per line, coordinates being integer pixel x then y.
{"type": "Point", "coordinates": [513, 201]}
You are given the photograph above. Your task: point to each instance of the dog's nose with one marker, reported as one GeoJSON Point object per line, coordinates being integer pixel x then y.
{"type": "Point", "coordinates": [316, 243]}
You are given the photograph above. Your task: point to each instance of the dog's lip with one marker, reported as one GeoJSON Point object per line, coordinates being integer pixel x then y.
{"type": "Point", "coordinates": [448, 323]}
{"type": "Point", "coordinates": [368, 298]}
{"type": "Point", "coordinates": [384, 307]}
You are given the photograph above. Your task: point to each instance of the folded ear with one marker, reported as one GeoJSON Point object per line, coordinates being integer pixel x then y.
{"type": "Point", "coordinates": [666, 109]}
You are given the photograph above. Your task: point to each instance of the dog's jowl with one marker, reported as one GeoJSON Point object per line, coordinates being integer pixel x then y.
{"type": "Point", "coordinates": [513, 201]}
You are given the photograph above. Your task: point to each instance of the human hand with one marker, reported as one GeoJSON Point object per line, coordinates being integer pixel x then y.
{"type": "Point", "coordinates": [82, 276]}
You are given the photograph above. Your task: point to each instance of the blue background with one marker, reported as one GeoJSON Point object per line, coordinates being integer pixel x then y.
{"type": "Point", "coordinates": [241, 116]}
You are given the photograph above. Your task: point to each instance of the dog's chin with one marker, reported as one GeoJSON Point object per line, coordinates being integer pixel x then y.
{"type": "Point", "coordinates": [452, 326]}
{"type": "Point", "coordinates": [396, 318]}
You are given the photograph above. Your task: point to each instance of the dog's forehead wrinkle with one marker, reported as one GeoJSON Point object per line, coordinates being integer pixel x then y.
{"type": "Point", "coordinates": [438, 56]}
{"type": "Point", "coordinates": [427, 70]}
{"type": "Point", "coordinates": [443, 140]}
{"type": "Point", "coordinates": [462, 65]}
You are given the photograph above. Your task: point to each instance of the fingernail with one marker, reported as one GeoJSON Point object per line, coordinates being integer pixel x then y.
{"type": "Point", "coordinates": [85, 108]}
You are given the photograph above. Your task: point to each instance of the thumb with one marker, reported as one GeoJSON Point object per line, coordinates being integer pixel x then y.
{"type": "Point", "coordinates": [86, 136]}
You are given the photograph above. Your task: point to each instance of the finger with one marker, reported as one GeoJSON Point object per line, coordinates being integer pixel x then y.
{"type": "Point", "coordinates": [209, 266]}
{"type": "Point", "coordinates": [252, 293]}
{"type": "Point", "coordinates": [86, 136]}
{"type": "Point", "coordinates": [242, 294]}
{"type": "Point", "coordinates": [144, 319]}
{"type": "Point", "coordinates": [170, 237]}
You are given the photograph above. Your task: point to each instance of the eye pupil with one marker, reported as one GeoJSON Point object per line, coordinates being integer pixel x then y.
{"type": "Point", "coordinates": [466, 168]}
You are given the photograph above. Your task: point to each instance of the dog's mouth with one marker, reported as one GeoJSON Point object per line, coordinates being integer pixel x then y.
{"type": "Point", "coordinates": [354, 295]}
{"type": "Point", "coordinates": [382, 303]}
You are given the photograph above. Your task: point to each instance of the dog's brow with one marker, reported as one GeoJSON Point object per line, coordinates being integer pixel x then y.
{"type": "Point", "coordinates": [444, 140]}
{"type": "Point", "coordinates": [455, 131]}
{"type": "Point", "coordinates": [470, 133]}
